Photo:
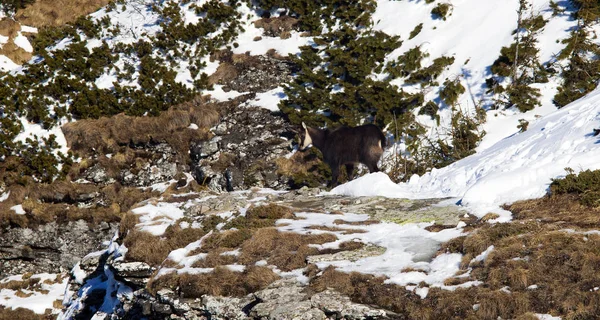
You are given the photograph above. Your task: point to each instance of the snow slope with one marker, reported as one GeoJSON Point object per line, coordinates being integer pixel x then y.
{"type": "Point", "coordinates": [473, 33]}
{"type": "Point", "coordinates": [516, 168]}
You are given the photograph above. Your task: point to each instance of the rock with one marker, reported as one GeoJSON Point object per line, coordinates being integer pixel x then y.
{"type": "Point", "coordinates": [204, 149]}
{"type": "Point", "coordinates": [50, 247]}
{"type": "Point", "coordinates": [332, 302]}
{"type": "Point", "coordinates": [162, 167]}
{"type": "Point", "coordinates": [136, 273]}
{"type": "Point", "coordinates": [97, 174]}
{"type": "Point", "coordinates": [246, 73]}
{"type": "Point", "coordinates": [243, 152]}
{"type": "Point", "coordinates": [354, 255]}
{"type": "Point", "coordinates": [225, 307]}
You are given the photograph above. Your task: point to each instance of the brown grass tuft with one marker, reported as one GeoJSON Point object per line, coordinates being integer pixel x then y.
{"type": "Point", "coordinates": [335, 229]}
{"type": "Point", "coordinates": [153, 250]}
{"type": "Point", "coordinates": [356, 223]}
{"type": "Point", "coordinates": [106, 135]}
{"type": "Point", "coordinates": [270, 211]}
{"type": "Point", "coordinates": [286, 250]}
{"type": "Point", "coordinates": [16, 285]}
{"type": "Point", "coordinates": [46, 13]}
{"type": "Point", "coordinates": [277, 26]}
{"type": "Point", "coordinates": [21, 314]}
{"type": "Point", "coordinates": [220, 282]}
{"type": "Point", "coordinates": [228, 239]}
{"type": "Point", "coordinates": [225, 72]}
{"type": "Point", "coordinates": [564, 208]}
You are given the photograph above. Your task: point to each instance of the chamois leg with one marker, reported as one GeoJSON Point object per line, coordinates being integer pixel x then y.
{"type": "Point", "coordinates": [373, 167]}
{"type": "Point", "coordinates": [349, 171]}
{"type": "Point", "coordinates": [335, 173]}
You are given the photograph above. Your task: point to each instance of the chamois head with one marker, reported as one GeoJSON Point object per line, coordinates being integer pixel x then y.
{"type": "Point", "coordinates": [305, 138]}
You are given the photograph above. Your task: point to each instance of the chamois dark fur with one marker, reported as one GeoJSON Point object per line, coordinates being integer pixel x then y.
{"type": "Point", "coordinates": [346, 146]}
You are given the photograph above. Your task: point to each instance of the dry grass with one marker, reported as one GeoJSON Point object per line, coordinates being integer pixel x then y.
{"type": "Point", "coordinates": [535, 267]}
{"type": "Point", "coordinates": [50, 13]}
{"type": "Point", "coordinates": [153, 250]}
{"type": "Point", "coordinates": [335, 229]}
{"type": "Point", "coordinates": [564, 210]}
{"type": "Point", "coordinates": [107, 135]}
{"type": "Point", "coordinates": [228, 239]}
{"type": "Point", "coordinates": [270, 211]}
{"type": "Point", "coordinates": [225, 73]}
{"type": "Point", "coordinates": [43, 13]}
{"type": "Point", "coordinates": [26, 283]}
{"type": "Point", "coordinates": [286, 250]}
{"type": "Point", "coordinates": [220, 282]}
{"type": "Point", "coordinates": [356, 223]}
{"type": "Point", "coordinates": [296, 164]}
{"type": "Point", "coordinates": [59, 202]}
{"type": "Point", "coordinates": [215, 258]}
{"type": "Point", "coordinates": [277, 26]}
{"type": "Point", "coordinates": [9, 28]}
{"type": "Point", "coordinates": [22, 314]}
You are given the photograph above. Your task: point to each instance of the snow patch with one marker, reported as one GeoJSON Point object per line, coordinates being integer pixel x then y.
{"type": "Point", "coordinates": [18, 209]}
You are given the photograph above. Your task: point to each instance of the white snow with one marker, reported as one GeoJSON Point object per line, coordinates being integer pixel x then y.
{"type": "Point", "coordinates": [37, 300]}
{"type": "Point", "coordinates": [247, 44]}
{"type": "Point", "coordinates": [155, 218]}
{"type": "Point", "coordinates": [546, 316]}
{"type": "Point", "coordinates": [18, 209]}
{"type": "Point", "coordinates": [411, 247]}
{"type": "Point", "coordinates": [269, 99]}
{"type": "Point", "coordinates": [33, 129]}
{"type": "Point", "coordinates": [29, 29]}
{"type": "Point", "coordinates": [482, 256]}
{"type": "Point", "coordinates": [116, 291]}
{"type": "Point", "coordinates": [3, 40]}
{"type": "Point", "coordinates": [6, 64]}
{"type": "Point", "coordinates": [220, 95]}
{"type": "Point", "coordinates": [21, 41]}
{"type": "Point", "coordinates": [185, 261]}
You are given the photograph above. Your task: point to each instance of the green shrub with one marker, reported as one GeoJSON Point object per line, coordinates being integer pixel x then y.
{"type": "Point", "coordinates": [441, 10]}
{"type": "Point", "coordinates": [62, 83]}
{"type": "Point", "coordinates": [333, 84]}
{"type": "Point", "coordinates": [585, 184]}
{"type": "Point", "coordinates": [427, 75]}
{"type": "Point", "coordinates": [518, 67]}
{"type": "Point", "coordinates": [314, 14]}
{"type": "Point", "coordinates": [11, 6]}
{"type": "Point", "coordinates": [416, 31]}
{"type": "Point", "coordinates": [451, 91]}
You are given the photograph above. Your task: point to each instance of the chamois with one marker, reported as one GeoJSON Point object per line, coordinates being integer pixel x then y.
{"type": "Point", "coordinates": [346, 146]}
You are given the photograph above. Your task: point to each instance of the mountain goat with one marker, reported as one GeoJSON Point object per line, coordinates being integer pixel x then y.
{"type": "Point", "coordinates": [346, 146]}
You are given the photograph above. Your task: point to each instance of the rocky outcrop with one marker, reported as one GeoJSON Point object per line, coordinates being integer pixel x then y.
{"type": "Point", "coordinates": [161, 167]}
{"type": "Point", "coordinates": [284, 299]}
{"type": "Point", "coordinates": [243, 151]}
{"type": "Point", "coordinates": [51, 247]}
